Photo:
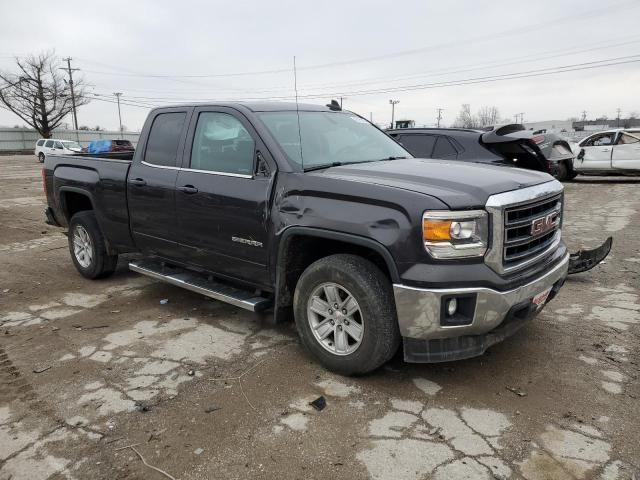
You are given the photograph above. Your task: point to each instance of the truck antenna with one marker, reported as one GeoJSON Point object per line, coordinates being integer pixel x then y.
{"type": "Point", "coordinates": [295, 87]}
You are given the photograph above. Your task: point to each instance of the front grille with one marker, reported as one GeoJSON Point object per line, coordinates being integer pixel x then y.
{"type": "Point", "coordinates": [530, 230]}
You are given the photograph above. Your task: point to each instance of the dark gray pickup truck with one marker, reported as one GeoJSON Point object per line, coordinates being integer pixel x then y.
{"type": "Point", "coordinates": [314, 213]}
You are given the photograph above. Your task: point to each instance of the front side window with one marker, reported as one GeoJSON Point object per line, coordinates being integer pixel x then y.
{"type": "Point", "coordinates": [164, 137]}
{"type": "Point", "coordinates": [329, 137]}
{"type": "Point", "coordinates": [222, 144]}
{"type": "Point", "coordinates": [58, 145]}
{"type": "Point", "coordinates": [49, 144]}
{"type": "Point", "coordinates": [599, 140]}
{"type": "Point", "coordinates": [70, 144]}
{"type": "Point", "coordinates": [419, 145]}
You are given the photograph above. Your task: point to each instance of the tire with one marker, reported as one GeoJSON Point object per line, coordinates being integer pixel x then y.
{"type": "Point", "coordinates": [561, 172]}
{"type": "Point", "coordinates": [91, 258]}
{"type": "Point", "coordinates": [41, 157]}
{"type": "Point", "coordinates": [347, 275]}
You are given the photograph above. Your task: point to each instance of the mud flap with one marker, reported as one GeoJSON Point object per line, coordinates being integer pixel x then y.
{"type": "Point", "coordinates": [584, 260]}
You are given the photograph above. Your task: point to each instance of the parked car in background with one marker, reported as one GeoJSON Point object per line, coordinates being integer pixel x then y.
{"type": "Point", "coordinates": [54, 146]}
{"type": "Point", "coordinates": [510, 145]}
{"type": "Point", "coordinates": [109, 146]}
{"type": "Point", "coordinates": [610, 152]}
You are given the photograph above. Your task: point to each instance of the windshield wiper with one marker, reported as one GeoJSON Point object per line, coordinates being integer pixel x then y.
{"type": "Point", "coordinates": [323, 165]}
{"type": "Point", "coordinates": [340, 164]}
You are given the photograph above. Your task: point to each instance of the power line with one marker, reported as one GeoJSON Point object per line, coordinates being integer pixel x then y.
{"type": "Point", "coordinates": [465, 81]}
{"type": "Point", "coordinates": [608, 9]}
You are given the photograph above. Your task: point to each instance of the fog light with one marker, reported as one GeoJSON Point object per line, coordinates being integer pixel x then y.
{"type": "Point", "coordinates": [452, 306]}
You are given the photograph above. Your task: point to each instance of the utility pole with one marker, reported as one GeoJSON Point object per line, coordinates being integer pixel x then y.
{"type": "Point", "coordinates": [393, 109]}
{"type": "Point", "coordinates": [371, 117]}
{"type": "Point", "coordinates": [584, 115]}
{"type": "Point", "coordinates": [618, 118]}
{"type": "Point", "coordinates": [73, 97]}
{"type": "Point", "coordinates": [440, 110]}
{"type": "Point", "coordinates": [117, 94]}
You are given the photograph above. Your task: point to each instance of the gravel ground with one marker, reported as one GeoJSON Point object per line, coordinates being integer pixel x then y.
{"type": "Point", "coordinates": [203, 390]}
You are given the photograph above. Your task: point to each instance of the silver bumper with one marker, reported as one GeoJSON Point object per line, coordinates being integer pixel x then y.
{"type": "Point", "coordinates": [419, 309]}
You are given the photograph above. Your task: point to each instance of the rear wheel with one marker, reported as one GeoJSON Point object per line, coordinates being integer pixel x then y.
{"type": "Point", "coordinates": [87, 247]}
{"type": "Point", "coordinates": [41, 157]}
{"type": "Point", "coordinates": [345, 314]}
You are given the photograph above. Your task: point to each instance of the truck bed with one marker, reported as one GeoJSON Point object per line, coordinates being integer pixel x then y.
{"type": "Point", "coordinates": [70, 179]}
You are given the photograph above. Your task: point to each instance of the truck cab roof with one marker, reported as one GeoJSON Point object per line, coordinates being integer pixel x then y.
{"type": "Point", "coordinates": [256, 106]}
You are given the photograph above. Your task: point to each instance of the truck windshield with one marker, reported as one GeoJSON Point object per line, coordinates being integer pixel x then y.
{"type": "Point", "coordinates": [330, 138]}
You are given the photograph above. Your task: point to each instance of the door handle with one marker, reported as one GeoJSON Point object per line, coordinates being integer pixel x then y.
{"type": "Point", "coordinates": [138, 182]}
{"type": "Point", "coordinates": [188, 189]}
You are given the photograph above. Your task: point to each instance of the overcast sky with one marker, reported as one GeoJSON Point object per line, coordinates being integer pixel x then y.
{"type": "Point", "coordinates": [161, 52]}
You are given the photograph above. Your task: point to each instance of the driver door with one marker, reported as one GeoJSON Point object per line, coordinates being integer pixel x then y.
{"type": "Point", "coordinates": [597, 152]}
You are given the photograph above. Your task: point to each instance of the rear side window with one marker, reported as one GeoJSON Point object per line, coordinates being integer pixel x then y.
{"type": "Point", "coordinates": [627, 138]}
{"type": "Point", "coordinates": [49, 144]}
{"type": "Point", "coordinates": [40, 143]}
{"type": "Point", "coordinates": [444, 149]}
{"type": "Point", "coordinates": [164, 137]}
{"type": "Point", "coordinates": [419, 146]}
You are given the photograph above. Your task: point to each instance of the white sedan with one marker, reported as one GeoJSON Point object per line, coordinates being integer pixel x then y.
{"type": "Point", "coordinates": [609, 152]}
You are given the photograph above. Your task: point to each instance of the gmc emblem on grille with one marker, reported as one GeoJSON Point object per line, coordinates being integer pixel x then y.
{"type": "Point", "coordinates": [544, 224]}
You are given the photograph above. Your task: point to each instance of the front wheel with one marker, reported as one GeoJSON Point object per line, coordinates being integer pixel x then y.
{"type": "Point", "coordinates": [87, 247]}
{"type": "Point", "coordinates": [345, 314]}
{"type": "Point", "coordinates": [561, 172]}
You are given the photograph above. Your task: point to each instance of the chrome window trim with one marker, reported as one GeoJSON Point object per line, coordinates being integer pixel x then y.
{"type": "Point", "coordinates": [496, 205]}
{"type": "Point", "coordinates": [208, 172]}
{"type": "Point", "coordinates": [164, 167]}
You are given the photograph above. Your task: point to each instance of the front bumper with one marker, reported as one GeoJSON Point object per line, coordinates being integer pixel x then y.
{"type": "Point", "coordinates": [420, 311]}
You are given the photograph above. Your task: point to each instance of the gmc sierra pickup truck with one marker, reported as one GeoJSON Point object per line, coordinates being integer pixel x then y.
{"type": "Point", "coordinates": [316, 214]}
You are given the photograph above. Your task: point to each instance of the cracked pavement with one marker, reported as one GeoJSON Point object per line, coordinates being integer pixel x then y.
{"type": "Point", "coordinates": [205, 390]}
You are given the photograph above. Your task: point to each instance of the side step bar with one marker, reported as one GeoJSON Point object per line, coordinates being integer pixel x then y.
{"type": "Point", "coordinates": [195, 282]}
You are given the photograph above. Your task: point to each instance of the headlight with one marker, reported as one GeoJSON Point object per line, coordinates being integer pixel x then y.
{"type": "Point", "coordinates": [450, 234]}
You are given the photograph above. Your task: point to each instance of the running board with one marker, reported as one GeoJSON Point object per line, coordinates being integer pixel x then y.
{"type": "Point", "coordinates": [247, 299]}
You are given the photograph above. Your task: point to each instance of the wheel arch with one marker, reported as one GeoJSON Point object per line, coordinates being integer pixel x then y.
{"type": "Point", "coordinates": [301, 246]}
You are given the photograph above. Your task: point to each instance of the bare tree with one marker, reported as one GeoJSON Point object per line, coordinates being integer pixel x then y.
{"type": "Point", "coordinates": [465, 119]}
{"type": "Point", "coordinates": [38, 92]}
{"type": "Point", "coordinates": [488, 116]}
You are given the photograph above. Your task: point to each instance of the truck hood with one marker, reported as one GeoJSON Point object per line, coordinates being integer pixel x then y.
{"type": "Point", "coordinates": [461, 185]}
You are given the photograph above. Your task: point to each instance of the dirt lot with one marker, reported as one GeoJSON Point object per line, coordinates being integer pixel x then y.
{"type": "Point", "coordinates": [204, 390]}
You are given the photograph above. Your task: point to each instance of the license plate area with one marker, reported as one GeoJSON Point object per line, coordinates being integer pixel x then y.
{"type": "Point", "coordinates": [540, 299]}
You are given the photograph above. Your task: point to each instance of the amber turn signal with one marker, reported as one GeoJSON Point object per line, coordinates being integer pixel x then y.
{"type": "Point", "coordinates": [434, 230]}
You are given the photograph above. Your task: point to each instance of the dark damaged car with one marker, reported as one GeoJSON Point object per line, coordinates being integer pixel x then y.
{"type": "Point", "coordinates": [509, 145]}
{"type": "Point", "coordinates": [315, 214]}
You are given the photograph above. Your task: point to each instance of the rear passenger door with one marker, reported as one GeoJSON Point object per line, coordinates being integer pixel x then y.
{"type": "Point", "coordinates": [626, 152]}
{"type": "Point", "coordinates": [151, 183]}
{"type": "Point", "coordinates": [222, 204]}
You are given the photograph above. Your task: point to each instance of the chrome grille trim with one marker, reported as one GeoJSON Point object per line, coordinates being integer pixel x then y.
{"type": "Point", "coordinates": [502, 203]}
